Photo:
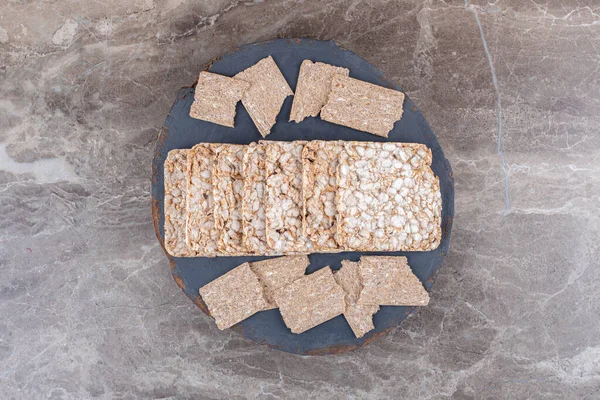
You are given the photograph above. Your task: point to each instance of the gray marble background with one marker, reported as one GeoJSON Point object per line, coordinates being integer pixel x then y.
{"type": "Point", "coordinates": [88, 308]}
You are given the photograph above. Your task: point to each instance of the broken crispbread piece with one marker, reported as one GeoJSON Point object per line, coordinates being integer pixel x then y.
{"type": "Point", "coordinates": [276, 273]}
{"type": "Point", "coordinates": [175, 169]}
{"type": "Point", "coordinates": [359, 317]}
{"type": "Point", "coordinates": [314, 85]}
{"type": "Point", "coordinates": [201, 234]}
{"type": "Point", "coordinates": [388, 198]}
{"type": "Point", "coordinates": [228, 183]}
{"type": "Point", "coordinates": [253, 199]}
{"type": "Point", "coordinates": [215, 98]}
{"type": "Point", "coordinates": [319, 187]}
{"type": "Point", "coordinates": [388, 280]}
{"type": "Point", "coordinates": [234, 296]}
{"type": "Point", "coordinates": [268, 89]}
{"type": "Point", "coordinates": [283, 207]}
{"type": "Point", "coordinates": [362, 105]}
{"type": "Point", "coordinates": [310, 301]}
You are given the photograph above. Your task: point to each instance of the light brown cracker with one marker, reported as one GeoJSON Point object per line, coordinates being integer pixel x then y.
{"type": "Point", "coordinates": [283, 207]}
{"type": "Point", "coordinates": [228, 183]}
{"type": "Point", "coordinates": [359, 317]}
{"type": "Point", "coordinates": [388, 198]}
{"type": "Point", "coordinates": [201, 234]}
{"type": "Point", "coordinates": [234, 296]}
{"type": "Point", "coordinates": [276, 273]}
{"type": "Point", "coordinates": [310, 301]}
{"type": "Point", "coordinates": [175, 178]}
{"type": "Point", "coordinates": [253, 200]}
{"type": "Point", "coordinates": [215, 98]}
{"type": "Point", "coordinates": [268, 89]}
{"type": "Point", "coordinates": [319, 187]}
{"type": "Point", "coordinates": [388, 280]}
{"type": "Point", "coordinates": [314, 85]}
{"type": "Point", "coordinates": [362, 105]}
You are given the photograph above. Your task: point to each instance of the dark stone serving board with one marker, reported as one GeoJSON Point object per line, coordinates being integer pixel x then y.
{"type": "Point", "coordinates": [182, 131]}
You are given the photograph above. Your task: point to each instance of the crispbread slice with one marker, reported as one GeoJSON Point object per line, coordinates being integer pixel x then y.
{"type": "Point", "coordinates": [201, 234]}
{"type": "Point", "coordinates": [319, 187]}
{"type": "Point", "coordinates": [362, 105]}
{"type": "Point", "coordinates": [388, 198]}
{"type": "Point", "coordinates": [253, 199]}
{"type": "Point", "coordinates": [276, 273]}
{"type": "Point", "coordinates": [175, 198]}
{"type": "Point", "coordinates": [359, 317]}
{"type": "Point", "coordinates": [234, 296]}
{"type": "Point", "coordinates": [314, 84]}
{"type": "Point", "coordinates": [388, 280]}
{"type": "Point", "coordinates": [310, 301]}
{"type": "Point", "coordinates": [284, 198]}
{"type": "Point", "coordinates": [268, 89]}
{"type": "Point", "coordinates": [215, 98]}
{"type": "Point", "coordinates": [228, 183]}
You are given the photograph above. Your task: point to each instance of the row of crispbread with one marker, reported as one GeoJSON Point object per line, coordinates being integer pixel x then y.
{"type": "Point", "coordinates": [275, 198]}
{"type": "Point", "coordinates": [356, 290]}
{"type": "Point", "coordinates": [321, 88]}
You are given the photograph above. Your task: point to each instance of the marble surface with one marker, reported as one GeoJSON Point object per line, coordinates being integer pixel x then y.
{"type": "Point", "coordinates": [88, 308]}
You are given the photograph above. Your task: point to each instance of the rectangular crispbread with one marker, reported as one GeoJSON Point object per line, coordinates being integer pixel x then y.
{"type": "Point", "coordinates": [310, 301]}
{"type": "Point", "coordinates": [215, 98]}
{"type": "Point", "coordinates": [388, 280]}
{"type": "Point", "coordinates": [276, 273]}
{"type": "Point", "coordinates": [234, 296]}
{"type": "Point", "coordinates": [363, 106]}
{"type": "Point", "coordinates": [253, 200]}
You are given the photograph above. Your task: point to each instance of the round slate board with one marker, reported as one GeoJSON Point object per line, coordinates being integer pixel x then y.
{"type": "Point", "coordinates": [182, 131]}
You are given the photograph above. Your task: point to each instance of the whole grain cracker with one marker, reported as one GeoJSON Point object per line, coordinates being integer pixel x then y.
{"type": "Point", "coordinates": [228, 183]}
{"type": "Point", "coordinates": [388, 198]}
{"type": "Point", "coordinates": [215, 98]}
{"type": "Point", "coordinates": [388, 280]}
{"type": "Point", "coordinates": [283, 208]}
{"type": "Point", "coordinates": [310, 301]}
{"type": "Point", "coordinates": [234, 296]}
{"type": "Point", "coordinates": [362, 105]}
{"type": "Point", "coordinates": [314, 85]}
{"type": "Point", "coordinates": [253, 199]}
{"type": "Point", "coordinates": [268, 89]}
{"type": "Point", "coordinates": [276, 273]}
{"type": "Point", "coordinates": [175, 178]}
{"type": "Point", "coordinates": [319, 187]}
{"type": "Point", "coordinates": [201, 234]}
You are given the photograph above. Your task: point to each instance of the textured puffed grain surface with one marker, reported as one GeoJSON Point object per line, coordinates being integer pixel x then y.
{"type": "Point", "coordinates": [359, 317]}
{"type": "Point", "coordinates": [228, 184]}
{"type": "Point", "coordinates": [175, 198]}
{"type": "Point", "coordinates": [283, 207]}
{"type": "Point", "coordinates": [388, 280]}
{"type": "Point", "coordinates": [362, 105]}
{"type": "Point", "coordinates": [201, 234]}
{"type": "Point", "coordinates": [319, 186]}
{"type": "Point", "coordinates": [388, 198]}
{"type": "Point", "coordinates": [234, 296]}
{"type": "Point", "coordinates": [314, 85]}
{"type": "Point", "coordinates": [310, 301]}
{"type": "Point", "coordinates": [276, 273]}
{"type": "Point", "coordinates": [268, 89]}
{"type": "Point", "coordinates": [253, 199]}
{"type": "Point", "coordinates": [215, 97]}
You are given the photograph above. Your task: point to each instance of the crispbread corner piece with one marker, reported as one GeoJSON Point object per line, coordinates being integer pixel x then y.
{"type": "Point", "coordinates": [314, 85]}
{"type": "Point", "coordinates": [310, 301]}
{"type": "Point", "coordinates": [362, 105]}
{"type": "Point", "coordinates": [215, 98]}
{"type": "Point", "coordinates": [268, 89]}
{"type": "Point", "coordinates": [388, 280]}
{"type": "Point", "coordinates": [234, 296]}
{"type": "Point", "coordinates": [359, 317]}
{"type": "Point", "coordinates": [276, 273]}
